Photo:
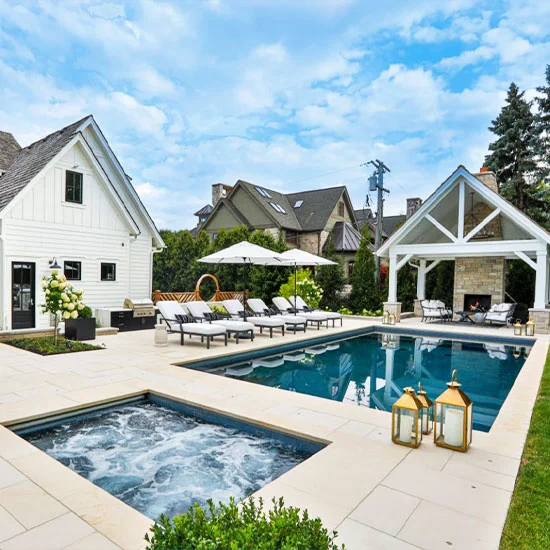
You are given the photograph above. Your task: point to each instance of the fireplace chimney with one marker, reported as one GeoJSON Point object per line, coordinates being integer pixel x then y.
{"type": "Point", "coordinates": [413, 205]}
{"type": "Point", "coordinates": [488, 178]}
{"type": "Point", "coordinates": [220, 191]}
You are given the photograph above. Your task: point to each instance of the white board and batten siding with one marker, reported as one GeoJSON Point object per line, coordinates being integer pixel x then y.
{"type": "Point", "coordinates": [42, 226]}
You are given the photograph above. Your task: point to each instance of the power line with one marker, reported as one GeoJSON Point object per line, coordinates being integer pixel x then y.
{"type": "Point", "coordinates": [325, 174]}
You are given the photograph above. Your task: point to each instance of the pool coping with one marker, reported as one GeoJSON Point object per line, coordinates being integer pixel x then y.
{"type": "Point", "coordinates": [505, 439]}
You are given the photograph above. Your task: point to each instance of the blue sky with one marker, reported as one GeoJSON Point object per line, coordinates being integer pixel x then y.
{"type": "Point", "coordinates": [290, 94]}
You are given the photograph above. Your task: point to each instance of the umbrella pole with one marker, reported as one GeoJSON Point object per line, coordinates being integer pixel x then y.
{"type": "Point", "coordinates": [295, 300]}
{"type": "Point", "coordinates": [244, 287]}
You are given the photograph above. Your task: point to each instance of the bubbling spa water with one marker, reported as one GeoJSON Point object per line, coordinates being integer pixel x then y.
{"type": "Point", "coordinates": [159, 460]}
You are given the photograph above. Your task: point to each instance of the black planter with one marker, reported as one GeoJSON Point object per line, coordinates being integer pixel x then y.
{"type": "Point", "coordinates": [80, 329]}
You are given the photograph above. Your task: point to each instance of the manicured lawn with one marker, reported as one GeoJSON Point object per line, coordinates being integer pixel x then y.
{"type": "Point", "coordinates": [528, 523]}
{"type": "Point", "coordinates": [45, 345]}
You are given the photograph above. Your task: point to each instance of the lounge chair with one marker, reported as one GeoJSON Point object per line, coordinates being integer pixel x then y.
{"type": "Point", "coordinates": [500, 314]}
{"type": "Point", "coordinates": [201, 313]}
{"type": "Point", "coordinates": [300, 305]}
{"type": "Point", "coordinates": [435, 310]}
{"type": "Point", "coordinates": [178, 321]}
{"type": "Point", "coordinates": [236, 310]}
{"type": "Point", "coordinates": [259, 309]}
{"type": "Point", "coordinates": [313, 317]}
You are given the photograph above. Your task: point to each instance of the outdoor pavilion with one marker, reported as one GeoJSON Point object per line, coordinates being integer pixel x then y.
{"type": "Point", "coordinates": [466, 220]}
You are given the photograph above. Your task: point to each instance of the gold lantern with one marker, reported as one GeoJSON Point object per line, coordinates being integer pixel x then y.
{"type": "Point", "coordinates": [427, 410]}
{"type": "Point", "coordinates": [393, 318]}
{"type": "Point", "coordinates": [530, 328]}
{"type": "Point", "coordinates": [406, 417]}
{"type": "Point", "coordinates": [453, 417]}
{"type": "Point", "coordinates": [386, 318]}
{"type": "Point", "coordinates": [517, 352]}
{"type": "Point", "coordinates": [517, 328]}
{"type": "Point", "coordinates": [385, 339]}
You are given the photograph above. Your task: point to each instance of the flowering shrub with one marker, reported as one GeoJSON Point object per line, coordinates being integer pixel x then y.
{"type": "Point", "coordinates": [306, 287]}
{"type": "Point", "coordinates": [60, 299]}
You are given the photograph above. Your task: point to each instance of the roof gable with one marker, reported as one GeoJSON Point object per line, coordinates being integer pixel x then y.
{"type": "Point", "coordinates": [423, 214]}
{"type": "Point", "coordinates": [30, 161]}
{"type": "Point", "coordinates": [317, 206]}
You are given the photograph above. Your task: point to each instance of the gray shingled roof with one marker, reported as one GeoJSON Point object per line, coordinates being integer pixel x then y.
{"type": "Point", "coordinates": [345, 237]}
{"type": "Point", "coordinates": [288, 220]}
{"type": "Point", "coordinates": [30, 160]}
{"type": "Point", "coordinates": [391, 223]}
{"type": "Point", "coordinates": [204, 211]}
{"type": "Point", "coordinates": [8, 150]}
{"type": "Point", "coordinates": [317, 207]}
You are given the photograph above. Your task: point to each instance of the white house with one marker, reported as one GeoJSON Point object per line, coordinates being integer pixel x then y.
{"type": "Point", "coordinates": [466, 220]}
{"type": "Point", "coordinates": [67, 198]}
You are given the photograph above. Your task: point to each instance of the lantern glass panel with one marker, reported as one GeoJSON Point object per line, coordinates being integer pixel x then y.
{"type": "Point", "coordinates": [451, 421]}
{"type": "Point", "coordinates": [405, 428]}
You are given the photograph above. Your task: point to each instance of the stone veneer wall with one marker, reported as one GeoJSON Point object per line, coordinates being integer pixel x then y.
{"type": "Point", "coordinates": [478, 276]}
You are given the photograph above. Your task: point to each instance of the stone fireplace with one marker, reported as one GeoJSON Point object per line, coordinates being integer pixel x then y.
{"type": "Point", "coordinates": [482, 301]}
{"type": "Point", "coordinates": [478, 276]}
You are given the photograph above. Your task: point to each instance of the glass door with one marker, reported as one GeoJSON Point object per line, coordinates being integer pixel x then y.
{"type": "Point", "coordinates": [23, 295]}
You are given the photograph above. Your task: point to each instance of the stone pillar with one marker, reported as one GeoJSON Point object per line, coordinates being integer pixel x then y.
{"type": "Point", "coordinates": [541, 317]}
{"type": "Point", "coordinates": [417, 308]}
{"type": "Point", "coordinates": [541, 280]}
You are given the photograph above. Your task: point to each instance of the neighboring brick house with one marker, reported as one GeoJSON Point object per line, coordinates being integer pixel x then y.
{"type": "Point", "coordinates": [305, 219]}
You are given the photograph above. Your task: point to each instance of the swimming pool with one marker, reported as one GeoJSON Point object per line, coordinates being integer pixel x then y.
{"type": "Point", "coordinates": [372, 369]}
{"type": "Point", "coordinates": [161, 456]}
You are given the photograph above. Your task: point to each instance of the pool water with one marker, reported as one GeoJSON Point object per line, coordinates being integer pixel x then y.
{"type": "Point", "coordinates": [159, 460]}
{"type": "Point", "coordinates": [371, 370]}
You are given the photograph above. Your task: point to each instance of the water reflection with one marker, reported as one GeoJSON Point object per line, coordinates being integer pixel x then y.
{"type": "Point", "coordinates": [372, 370]}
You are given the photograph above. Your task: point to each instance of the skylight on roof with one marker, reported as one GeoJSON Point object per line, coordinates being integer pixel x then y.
{"type": "Point", "coordinates": [263, 192]}
{"type": "Point", "coordinates": [277, 207]}
{"type": "Point", "coordinates": [299, 203]}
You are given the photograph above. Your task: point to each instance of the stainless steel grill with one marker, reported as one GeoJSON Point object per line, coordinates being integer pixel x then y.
{"type": "Point", "coordinates": [140, 308]}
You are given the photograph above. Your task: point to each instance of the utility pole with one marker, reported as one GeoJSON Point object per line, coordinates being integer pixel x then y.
{"type": "Point", "coordinates": [376, 183]}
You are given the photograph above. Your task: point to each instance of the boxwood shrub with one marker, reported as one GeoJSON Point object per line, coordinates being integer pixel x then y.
{"type": "Point", "coordinates": [241, 526]}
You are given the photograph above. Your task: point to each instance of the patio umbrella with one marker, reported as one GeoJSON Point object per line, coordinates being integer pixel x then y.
{"type": "Point", "coordinates": [243, 253]}
{"type": "Point", "coordinates": [297, 257]}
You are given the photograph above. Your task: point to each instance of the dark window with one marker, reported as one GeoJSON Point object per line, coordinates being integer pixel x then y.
{"type": "Point", "coordinates": [350, 270]}
{"type": "Point", "coordinates": [341, 209]}
{"type": "Point", "coordinates": [73, 187]}
{"type": "Point", "coordinates": [73, 270]}
{"type": "Point", "coordinates": [108, 272]}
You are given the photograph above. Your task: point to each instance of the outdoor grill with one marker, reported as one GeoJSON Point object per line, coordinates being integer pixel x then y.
{"type": "Point", "coordinates": [140, 308]}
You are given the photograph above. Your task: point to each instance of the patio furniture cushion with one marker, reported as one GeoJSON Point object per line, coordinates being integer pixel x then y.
{"type": "Point", "coordinates": [301, 304]}
{"type": "Point", "coordinates": [236, 309]}
{"type": "Point", "coordinates": [259, 307]}
{"type": "Point", "coordinates": [234, 325]}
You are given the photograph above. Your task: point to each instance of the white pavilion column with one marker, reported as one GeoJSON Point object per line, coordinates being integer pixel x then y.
{"type": "Point", "coordinates": [541, 283]}
{"type": "Point", "coordinates": [392, 305]}
{"type": "Point", "coordinates": [392, 279]}
{"type": "Point", "coordinates": [421, 281]}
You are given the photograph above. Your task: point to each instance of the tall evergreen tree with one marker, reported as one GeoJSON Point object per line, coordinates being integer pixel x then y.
{"type": "Point", "coordinates": [542, 127]}
{"type": "Point", "coordinates": [364, 293]}
{"type": "Point", "coordinates": [331, 278]}
{"type": "Point", "coordinates": [512, 156]}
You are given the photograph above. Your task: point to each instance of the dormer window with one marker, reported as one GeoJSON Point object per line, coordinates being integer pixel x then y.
{"type": "Point", "coordinates": [277, 207]}
{"type": "Point", "coordinates": [263, 192]}
{"type": "Point", "coordinates": [341, 209]}
{"type": "Point", "coordinates": [73, 187]}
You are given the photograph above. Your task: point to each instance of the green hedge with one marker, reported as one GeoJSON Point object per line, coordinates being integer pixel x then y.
{"type": "Point", "coordinates": [241, 526]}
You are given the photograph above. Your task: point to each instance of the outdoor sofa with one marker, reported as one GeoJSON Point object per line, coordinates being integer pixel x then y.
{"type": "Point", "coordinates": [260, 309]}
{"type": "Point", "coordinates": [236, 310]}
{"type": "Point", "coordinates": [435, 310]}
{"type": "Point", "coordinates": [201, 313]}
{"type": "Point", "coordinates": [313, 317]}
{"type": "Point", "coordinates": [301, 306]}
{"type": "Point", "coordinates": [500, 314]}
{"type": "Point", "coordinates": [178, 321]}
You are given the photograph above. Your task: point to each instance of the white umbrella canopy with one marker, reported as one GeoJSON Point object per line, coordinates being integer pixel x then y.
{"type": "Point", "coordinates": [296, 257]}
{"type": "Point", "coordinates": [243, 253]}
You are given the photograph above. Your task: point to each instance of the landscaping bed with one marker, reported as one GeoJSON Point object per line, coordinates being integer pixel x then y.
{"type": "Point", "coordinates": [45, 345]}
{"type": "Point", "coordinates": [528, 523]}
